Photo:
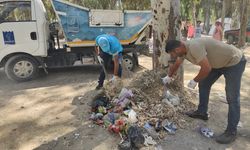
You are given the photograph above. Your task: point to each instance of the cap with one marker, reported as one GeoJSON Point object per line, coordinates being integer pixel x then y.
{"type": "Point", "coordinates": [104, 44]}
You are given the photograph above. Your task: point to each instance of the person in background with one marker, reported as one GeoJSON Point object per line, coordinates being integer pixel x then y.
{"type": "Point", "coordinates": [190, 31]}
{"type": "Point", "coordinates": [218, 31]}
{"type": "Point", "coordinates": [198, 30]}
{"type": "Point", "coordinates": [109, 52]}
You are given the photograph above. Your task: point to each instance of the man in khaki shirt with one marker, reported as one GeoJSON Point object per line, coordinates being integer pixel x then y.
{"type": "Point", "coordinates": [215, 59]}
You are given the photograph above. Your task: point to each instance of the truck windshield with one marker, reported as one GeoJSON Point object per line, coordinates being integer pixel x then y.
{"type": "Point", "coordinates": [15, 11]}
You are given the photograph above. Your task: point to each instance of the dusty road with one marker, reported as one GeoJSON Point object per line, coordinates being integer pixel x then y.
{"type": "Point", "coordinates": [45, 114]}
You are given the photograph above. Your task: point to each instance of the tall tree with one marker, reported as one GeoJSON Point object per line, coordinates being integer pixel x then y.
{"type": "Point", "coordinates": [174, 32]}
{"type": "Point", "coordinates": [236, 14]}
{"type": "Point", "coordinates": [195, 10]}
{"type": "Point", "coordinates": [223, 13]}
{"type": "Point", "coordinates": [160, 11]}
{"type": "Point", "coordinates": [218, 9]}
{"type": "Point", "coordinates": [166, 25]}
{"type": "Point", "coordinates": [207, 14]}
{"type": "Point", "coordinates": [243, 22]}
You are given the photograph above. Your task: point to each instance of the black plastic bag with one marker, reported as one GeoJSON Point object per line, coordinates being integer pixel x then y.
{"type": "Point", "coordinates": [100, 101]}
{"type": "Point", "coordinates": [135, 136]}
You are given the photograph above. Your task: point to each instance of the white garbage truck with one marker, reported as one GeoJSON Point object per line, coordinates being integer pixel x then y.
{"type": "Point", "coordinates": [29, 42]}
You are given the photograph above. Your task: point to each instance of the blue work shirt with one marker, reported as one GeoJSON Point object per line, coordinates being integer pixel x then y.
{"type": "Point", "coordinates": [114, 44]}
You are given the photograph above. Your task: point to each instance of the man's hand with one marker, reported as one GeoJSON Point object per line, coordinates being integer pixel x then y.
{"type": "Point", "coordinates": [192, 84]}
{"type": "Point", "coordinates": [114, 79]}
{"type": "Point", "coordinates": [167, 80]}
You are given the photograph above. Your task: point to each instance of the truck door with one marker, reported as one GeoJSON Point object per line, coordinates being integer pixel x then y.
{"type": "Point", "coordinates": [18, 28]}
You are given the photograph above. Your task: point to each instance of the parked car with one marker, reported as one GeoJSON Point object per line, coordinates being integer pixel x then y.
{"type": "Point", "coordinates": [232, 36]}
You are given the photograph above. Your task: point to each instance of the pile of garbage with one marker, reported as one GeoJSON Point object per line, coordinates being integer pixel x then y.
{"type": "Point", "coordinates": [156, 101]}
{"type": "Point", "coordinates": [143, 112]}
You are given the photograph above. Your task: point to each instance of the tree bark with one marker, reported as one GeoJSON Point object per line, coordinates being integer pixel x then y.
{"type": "Point", "coordinates": [194, 13]}
{"type": "Point", "coordinates": [243, 23]}
{"type": "Point", "coordinates": [174, 32]}
{"type": "Point", "coordinates": [218, 8]}
{"type": "Point", "coordinates": [223, 13]}
{"type": "Point", "coordinates": [166, 26]}
{"type": "Point", "coordinates": [206, 7]}
{"type": "Point", "coordinates": [160, 11]}
{"type": "Point", "coordinates": [236, 15]}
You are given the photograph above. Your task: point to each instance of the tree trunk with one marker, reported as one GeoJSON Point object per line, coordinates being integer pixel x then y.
{"type": "Point", "coordinates": [166, 26]}
{"type": "Point", "coordinates": [218, 8]}
{"type": "Point", "coordinates": [174, 32]}
{"type": "Point", "coordinates": [243, 23]}
{"type": "Point", "coordinates": [229, 8]}
{"type": "Point", "coordinates": [223, 13]}
{"type": "Point", "coordinates": [206, 7]}
{"type": "Point", "coordinates": [236, 15]}
{"type": "Point", "coordinates": [194, 13]}
{"type": "Point", "coordinates": [160, 11]}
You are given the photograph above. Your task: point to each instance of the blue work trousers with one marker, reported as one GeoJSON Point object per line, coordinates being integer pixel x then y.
{"type": "Point", "coordinates": [233, 75]}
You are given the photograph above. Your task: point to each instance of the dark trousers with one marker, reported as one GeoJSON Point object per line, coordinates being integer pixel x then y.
{"type": "Point", "coordinates": [232, 76]}
{"type": "Point", "coordinates": [109, 66]}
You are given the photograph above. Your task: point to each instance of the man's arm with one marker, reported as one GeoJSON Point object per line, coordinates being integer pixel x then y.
{"type": "Point", "coordinates": [174, 68]}
{"type": "Point", "coordinates": [204, 71]}
{"type": "Point", "coordinates": [116, 64]}
{"type": "Point", "coordinates": [97, 50]}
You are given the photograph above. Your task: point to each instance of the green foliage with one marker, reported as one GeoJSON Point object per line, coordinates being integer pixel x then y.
{"type": "Point", "coordinates": [136, 4]}
{"type": "Point", "coordinates": [49, 9]}
{"type": "Point", "coordinates": [111, 4]}
{"type": "Point", "coordinates": [97, 4]}
{"type": "Point", "coordinates": [186, 8]}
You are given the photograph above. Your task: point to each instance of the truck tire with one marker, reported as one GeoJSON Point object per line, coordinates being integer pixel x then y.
{"type": "Point", "coordinates": [129, 62]}
{"type": "Point", "coordinates": [230, 39]}
{"type": "Point", "coordinates": [21, 68]}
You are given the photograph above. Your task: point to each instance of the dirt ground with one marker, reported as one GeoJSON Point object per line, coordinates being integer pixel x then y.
{"type": "Point", "coordinates": [50, 113]}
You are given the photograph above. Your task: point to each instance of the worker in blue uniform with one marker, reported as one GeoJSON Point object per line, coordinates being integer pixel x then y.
{"type": "Point", "coordinates": [109, 52]}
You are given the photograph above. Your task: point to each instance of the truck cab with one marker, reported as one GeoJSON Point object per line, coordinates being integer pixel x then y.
{"type": "Point", "coordinates": [24, 37]}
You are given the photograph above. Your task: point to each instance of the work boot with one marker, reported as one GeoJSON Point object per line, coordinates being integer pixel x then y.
{"type": "Point", "coordinates": [196, 114]}
{"type": "Point", "coordinates": [226, 138]}
{"type": "Point", "coordinates": [98, 87]}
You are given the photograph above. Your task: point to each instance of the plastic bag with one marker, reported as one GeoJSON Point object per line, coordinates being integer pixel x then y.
{"type": "Point", "coordinates": [132, 117]}
{"type": "Point", "coordinates": [136, 137]}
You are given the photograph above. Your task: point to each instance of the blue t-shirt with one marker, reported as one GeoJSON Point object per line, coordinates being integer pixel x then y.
{"type": "Point", "coordinates": [114, 44]}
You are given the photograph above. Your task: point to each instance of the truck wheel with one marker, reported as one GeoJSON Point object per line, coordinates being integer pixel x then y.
{"type": "Point", "coordinates": [230, 39]}
{"type": "Point", "coordinates": [21, 68]}
{"type": "Point", "coordinates": [129, 62]}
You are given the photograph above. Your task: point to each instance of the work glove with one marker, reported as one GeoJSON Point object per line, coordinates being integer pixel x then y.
{"type": "Point", "coordinates": [192, 84]}
{"type": "Point", "coordinates": [100, 59]}
{"type": "Point", "coordinates": [167, 80]}
{"type": "Point", "coordinates": [114, 79]}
